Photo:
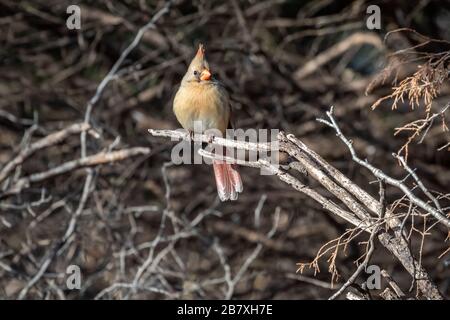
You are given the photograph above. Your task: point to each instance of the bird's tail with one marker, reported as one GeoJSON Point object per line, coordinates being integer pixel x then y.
{"type": "Point", "coordinates": [228, 180]}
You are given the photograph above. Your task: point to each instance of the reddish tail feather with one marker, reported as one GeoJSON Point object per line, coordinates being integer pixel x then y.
{"type": "Point", "coordinates": [228, 180]}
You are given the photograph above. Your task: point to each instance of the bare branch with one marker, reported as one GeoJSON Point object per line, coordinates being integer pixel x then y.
{"type": "Point", "coordinates": [90, 161]}
{"type": "Point", "coordinates": [50, 140]}
{"type": "Point", "coordinates": [381, 175]}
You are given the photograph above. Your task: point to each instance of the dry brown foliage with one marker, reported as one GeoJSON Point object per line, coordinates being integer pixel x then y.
{"type": "Point", "coordinates": [419, 89]}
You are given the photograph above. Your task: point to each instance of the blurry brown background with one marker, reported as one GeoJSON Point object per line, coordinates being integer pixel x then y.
{"type": "Point", "coordinates": [257, 49]}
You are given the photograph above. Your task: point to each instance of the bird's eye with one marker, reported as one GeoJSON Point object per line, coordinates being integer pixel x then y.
{"type": "Point", "coordinates": [195, 73]}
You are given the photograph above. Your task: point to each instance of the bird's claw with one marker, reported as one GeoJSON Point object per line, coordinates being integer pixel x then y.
{"type": "Point", "coordinates": [210, 138]}
{"type": "Point", "coordinates": [191, 134]}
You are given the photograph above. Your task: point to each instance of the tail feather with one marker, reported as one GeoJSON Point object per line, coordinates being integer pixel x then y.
{"type": "Point", "coordinates": [236, 178]}
{"type": "Point", "coordinates": [228, 181]}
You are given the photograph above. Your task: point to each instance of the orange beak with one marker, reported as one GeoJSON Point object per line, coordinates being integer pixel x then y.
{"type": "Point", "coordinates": [205, 75]}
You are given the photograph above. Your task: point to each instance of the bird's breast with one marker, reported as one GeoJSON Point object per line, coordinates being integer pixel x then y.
{"type": "Point", "coordinates": [205, 103]}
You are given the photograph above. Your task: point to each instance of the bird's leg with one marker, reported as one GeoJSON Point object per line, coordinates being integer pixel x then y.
{"type": "Point", "coordinates": [191, 134]}
{"type": "Point", "coordinates": [211, 137]}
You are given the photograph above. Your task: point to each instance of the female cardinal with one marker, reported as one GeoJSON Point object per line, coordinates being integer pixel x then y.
{"type": "Point", "coordinates": [202, 98]}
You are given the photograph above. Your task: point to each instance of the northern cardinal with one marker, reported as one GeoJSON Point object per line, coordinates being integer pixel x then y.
{"type": "Point", "coordinates": [202, 98]}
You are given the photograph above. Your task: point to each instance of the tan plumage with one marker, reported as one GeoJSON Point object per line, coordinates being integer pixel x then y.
{"type": "Point", "coordinates": [201, 98]}
{"type": "Point", "coordinates": [203, 101]}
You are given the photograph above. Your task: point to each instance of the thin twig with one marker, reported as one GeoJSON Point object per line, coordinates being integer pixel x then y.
{"type": "Point", "coordinates": [381, 175]}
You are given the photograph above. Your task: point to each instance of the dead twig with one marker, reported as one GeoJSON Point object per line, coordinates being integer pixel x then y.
{"type": "Point", "coordinates": [50, 140]}
{"type": "Point", "coordinates": [90, 161]}
{"type": "Point", "coordinates": [381, 175]}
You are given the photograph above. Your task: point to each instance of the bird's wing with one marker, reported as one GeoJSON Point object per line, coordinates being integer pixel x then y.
{"type": "Point", "coordinates": [227, 102]}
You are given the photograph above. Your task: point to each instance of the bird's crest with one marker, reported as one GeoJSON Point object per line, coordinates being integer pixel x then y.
{"type": "Point", "coordinates": [200, 51]}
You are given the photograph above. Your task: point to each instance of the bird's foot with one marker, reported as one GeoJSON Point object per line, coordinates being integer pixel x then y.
{"type": "Point", "coordinates": [211, 138]}
{"type": "Point", "coordinates": [191, 134]}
